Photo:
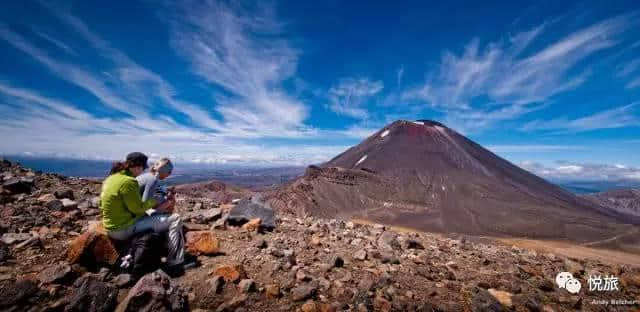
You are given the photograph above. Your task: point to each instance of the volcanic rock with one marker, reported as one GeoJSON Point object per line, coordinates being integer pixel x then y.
{"type": "Point", "coordinates": [220, 224]}
{"type": "Point", "coordinates": [65, 193]}
{"type": "Point", "coordinates": [261, 244]}
{"type": "Point", "coordinates": [483, 301]}
{"type": "Point", "coordinates": [388, 241]}
{"type": "Point", "coordinates": [18, 185]}
{"type": "Point", "coordinates": [12, 238]}
{"type": "Point", "coordinates": [233, 304]}
{"type": "Point", "coordinates": [272, 291]}
{"type": "Point", "coordinates": [412, 244]}
{"type": "Point", "coordinates": [247, 285]}
{"type": "Point", "coordinates": [303, 292]}
{"type": "Point", "coordinates": [92, 247]}
{"type": "Point", "coordinates": [46, 198]}
{"type": "Point", "coordinates": [502, 296]}
{"type": "Point", "coordinates": [55, 274]}
{"type": "Point", "coordinates": [202, 243]}
{"type": "Point", "coordinates": [16, 293]}
{"type": "Point", "coordinates": [360, 255]}
{"type": "Point", "coordinates": [309, 306]}
{"type": "Point", "coordinates": [55, 205]}
{"type": "Point", "coordinates": [5, 253]}
{"type": "Point", "coordinates": [68, 204]}
{"type": "Point", "coordinates": [91, 294]}
{"type": "Point", "coordinates": [253, 225]}
{"type": "Point", "coordinates": [231, 273]}
{"type": "Point", "coordinates": [154, 292]}
{"type": "Point", "coordinates": [254, 208]}
{"type": "Point", "coordinates": [336, 261]}
{"type": "Point", "coordinates": [122, 280]}
{"type": "Point", "coordinates": [211, 214]}
{"type": "Point", "coordinates": [95, 202]}
{"type": "Point", "coordinates": [216, 283]}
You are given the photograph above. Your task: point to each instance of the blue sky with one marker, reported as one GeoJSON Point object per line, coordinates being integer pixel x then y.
{"type": "Point", "coordinates": [553, 87]}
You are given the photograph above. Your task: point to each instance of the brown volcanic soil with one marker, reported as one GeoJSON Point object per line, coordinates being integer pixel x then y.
{"type": "Point", "coordinates": [426, 176]}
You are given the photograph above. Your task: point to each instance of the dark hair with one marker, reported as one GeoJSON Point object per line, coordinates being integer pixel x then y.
{"type": "Point", "coordinates": [120, 165]}
{"type": "Point", "coordinates": [135, 159]}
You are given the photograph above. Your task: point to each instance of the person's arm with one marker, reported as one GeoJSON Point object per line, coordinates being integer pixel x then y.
{"type": "Point", "coordinates": [149, 188]}
{"type": "Point", "coordinates": [130, 192]}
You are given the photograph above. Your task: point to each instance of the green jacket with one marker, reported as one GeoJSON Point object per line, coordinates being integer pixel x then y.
{"type": "Point", "coordinates": [120, 202]}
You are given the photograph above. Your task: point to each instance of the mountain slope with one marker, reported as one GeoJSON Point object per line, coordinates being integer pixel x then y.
{"type": "Point", "coordinates": [426, 176]}
{"type": "Point", "coordinates": [623, 201]}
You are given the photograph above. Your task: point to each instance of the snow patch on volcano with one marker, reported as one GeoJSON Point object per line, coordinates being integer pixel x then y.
{"type": "Point", "coordinates": [361, 160]}
{"type": "Point", "coordinates": [385, 133]}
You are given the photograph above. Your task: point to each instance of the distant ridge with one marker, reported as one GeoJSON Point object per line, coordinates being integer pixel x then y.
{"type": "Point", "coordinates": [623, 201]}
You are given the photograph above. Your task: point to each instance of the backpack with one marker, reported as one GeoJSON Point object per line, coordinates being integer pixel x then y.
{"type": "Point", "coordinates": [144, 254]}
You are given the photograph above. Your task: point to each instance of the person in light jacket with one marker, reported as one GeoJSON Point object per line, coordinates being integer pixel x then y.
{"type": "Point", "coordinates": [123, 210]}
{"type": "Point", "coordinates": [148, 182]}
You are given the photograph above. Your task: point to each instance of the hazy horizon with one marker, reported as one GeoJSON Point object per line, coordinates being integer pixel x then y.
{"type": "Point", "coordinates": [186, 172]}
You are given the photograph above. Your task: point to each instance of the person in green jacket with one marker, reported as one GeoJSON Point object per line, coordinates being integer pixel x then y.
{"type": "Point", "coordinates": [123, 211]}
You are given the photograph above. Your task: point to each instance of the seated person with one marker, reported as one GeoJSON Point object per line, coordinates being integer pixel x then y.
{"type": "Point", "coordinates": [123, 210]}
{"type": "Point", "coordinates": [149, 182]}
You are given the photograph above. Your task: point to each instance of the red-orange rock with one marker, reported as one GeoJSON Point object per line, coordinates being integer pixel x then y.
{"type": "Point", "coordinates": [253, 225]}
{"type": "Point", "coordinates": [310, 306]}
{"type": "Point", "coordinates": [325, 307]}
{"type": "Point", "coordinates": [202, 243]}
{"type": "Point", "coordinates": [381, 304]}
{"type": "Point", "coordinates": [94, 245]}
{"type": "Point", "coordinates": [231, 273]}
{"type": "Point", "coordinates": [272, 291]}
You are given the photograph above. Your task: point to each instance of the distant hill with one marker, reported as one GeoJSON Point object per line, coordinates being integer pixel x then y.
{"type": "Point", "coordinates": [624, 201]}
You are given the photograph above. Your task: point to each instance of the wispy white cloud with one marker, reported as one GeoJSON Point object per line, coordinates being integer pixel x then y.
{"type": "Point", "coordinates": [72, 73]}
{"type": "Point", "coordinates": [486, 85]}
{"type": "Point", "coordinates": [62, 130]}
{"type": "Point", "coordinates": [628, 68]}
{"type": "Point", "coordinates": [568, 171]}
{"type": "Point", "coordinates": [399, 76]}
{"type": "Point", "coordinates": [61, 45]}
{"type": "Point", "coordinates": [242, 52]}
{"type": "Point", "coordinates": [635, 83]}
{"type": "Point", "coordinates": [350, 95]}
{"type": "Point", "coordinates": [139, 83]}
{"type": "Point", "coordinates": [624, 116]}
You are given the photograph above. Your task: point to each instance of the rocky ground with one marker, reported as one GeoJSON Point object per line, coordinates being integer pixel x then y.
{"type": "Point", "coordinates": [303, 264]}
